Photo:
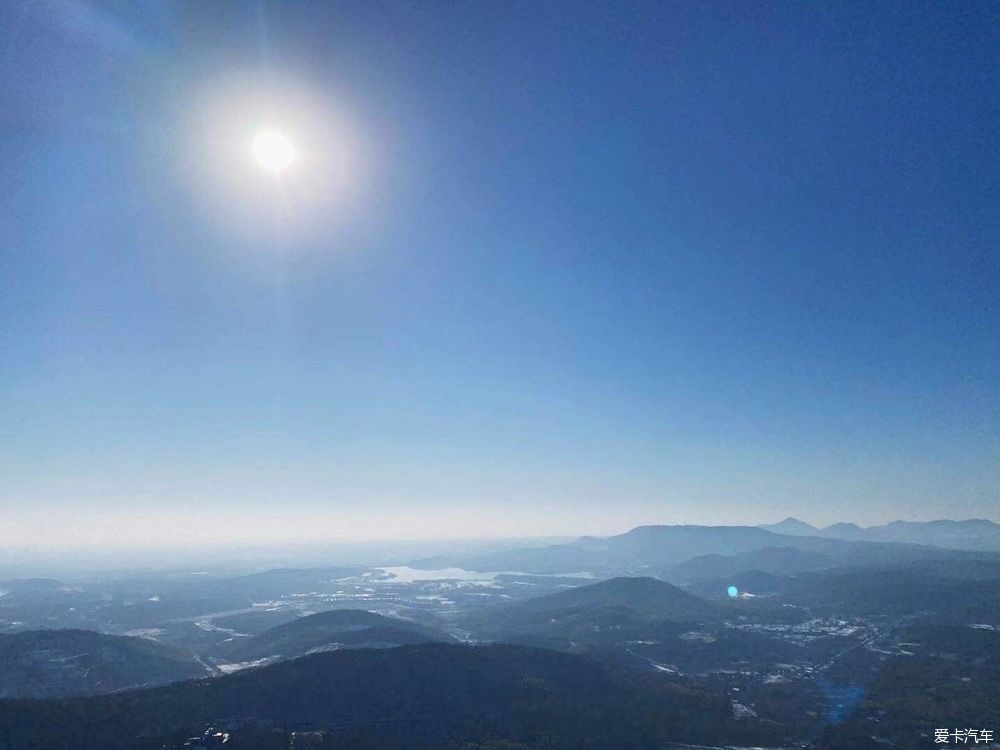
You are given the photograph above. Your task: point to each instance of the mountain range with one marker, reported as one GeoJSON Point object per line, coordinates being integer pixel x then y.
{"type": "Point", "coordinates": [660, 550]}
{"type": "Point", "coordinates": [972, 534]}
{"type": "Point", "coordinates": [707, 635]}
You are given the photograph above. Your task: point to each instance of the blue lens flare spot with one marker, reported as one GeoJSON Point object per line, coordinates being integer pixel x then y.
{"type": "Point", "coordinates": [733, 591]}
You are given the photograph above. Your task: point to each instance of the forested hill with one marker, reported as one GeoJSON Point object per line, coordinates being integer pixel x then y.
{"type": "Point", "coordinates": [433, 695]}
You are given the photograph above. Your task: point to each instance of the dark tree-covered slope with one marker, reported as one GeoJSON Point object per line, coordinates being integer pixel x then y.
{"type": "Point", "coordinates": [418, 697]}
{"type": "Point", "coordinates": [50, 663]}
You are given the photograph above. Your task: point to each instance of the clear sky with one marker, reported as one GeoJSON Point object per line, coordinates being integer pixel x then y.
{"type": "Point", "coordinates": [539, 267]}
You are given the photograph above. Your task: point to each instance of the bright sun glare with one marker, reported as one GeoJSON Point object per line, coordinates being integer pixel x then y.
{"type": "Point", "coordinates": [273, 151]}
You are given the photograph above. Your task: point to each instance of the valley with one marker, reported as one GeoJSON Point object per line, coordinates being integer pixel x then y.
{"type": "Point", "coordinates": [797, 655]}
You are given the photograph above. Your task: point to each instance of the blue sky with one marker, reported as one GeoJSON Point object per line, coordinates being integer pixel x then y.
{"type": "Point", "coordinates": [587, 266]}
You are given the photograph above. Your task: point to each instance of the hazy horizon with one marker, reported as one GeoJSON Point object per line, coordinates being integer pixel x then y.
{"type": "Point", "coordinates": [187, 537]}
{"type": "Point", "coordinates": [206, 552]}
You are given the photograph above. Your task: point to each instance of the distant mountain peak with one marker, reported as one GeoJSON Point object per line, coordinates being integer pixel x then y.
{"type": "Point", "coordinates": [649, 598]}
{"type": "Point", "coordinates": [791, 526]}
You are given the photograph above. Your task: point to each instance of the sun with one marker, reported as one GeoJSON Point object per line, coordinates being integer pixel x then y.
{"type": "Point", "coordinates": [273, 151]}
